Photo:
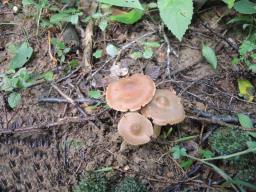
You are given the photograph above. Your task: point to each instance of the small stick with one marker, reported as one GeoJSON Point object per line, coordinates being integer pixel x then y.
{"type": "Point", "coordinates": [70, 100]}
{"type": "Point", "coordinates": [53, 59]}
{"type": "Point", "coordinates": [61, 100]}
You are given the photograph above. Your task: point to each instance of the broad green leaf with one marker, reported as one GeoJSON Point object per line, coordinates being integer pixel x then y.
{"type": "Point", "coordinates": [95, 94]}
{"type": "Point", "coordinates": [253, 68]}
{"type": "Point", "coordinates": [178, 152]}
{"type": "Point", "coordinates": [246, 89]}
{"type": "Point", "coordinates": [245, 121]}
{"type": "Point", "coordinates": [103, 25]}
{"type": "Point", "coordinates": [111, 50]}
{"type": "Point", "coordinates": [245, 7]}
{"type": "Point", "coordinates": [124, 3]}
{"type": "Point", "coordinates": [148, 53]}
{"type": "Point", "coordinates": [230, 3]}
{"type": "Point", "coordinates": [130, 17]}
{"type": "Point", "coordinates": [23, 54]}
{"type": "Point", "coordinates": [14, 99]}
{"type": "Point", "coordinates": [210, 56]}
{"type": "Point", "coordinates": [176, 15]}
{"type": "Point", "coordinates": [97, 54]}
{"type": "Point", "coordinates": [251, 145]}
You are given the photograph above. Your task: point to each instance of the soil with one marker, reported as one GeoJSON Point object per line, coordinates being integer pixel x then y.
{"type": "Point", "coordinates": [54, 158]}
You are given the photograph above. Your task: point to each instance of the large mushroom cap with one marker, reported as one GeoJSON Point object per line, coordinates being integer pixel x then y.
{"type": "Point", "coordinates": [130, 93]}
{"type": "Point", "coordinates": [135, 128]}
{"type": "Point", "coordinates": [165, 108]}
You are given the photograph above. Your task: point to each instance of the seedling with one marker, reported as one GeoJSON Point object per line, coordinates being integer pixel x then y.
{"type": "Point", "coordinates": [60, 49]}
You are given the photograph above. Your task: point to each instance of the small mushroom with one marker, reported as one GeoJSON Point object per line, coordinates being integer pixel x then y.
{"type": "Point", "coordinates": [165, 108]}
{"type": "Point", "coordinates": [130, 93]}
{"type": "Point", "coordinates": [135, 129]}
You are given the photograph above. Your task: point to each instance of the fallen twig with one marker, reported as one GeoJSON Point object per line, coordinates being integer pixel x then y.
{"type": "Point", "coordinates": [70, 100]}
{"type": "Point", "coordinates": [61, 100]}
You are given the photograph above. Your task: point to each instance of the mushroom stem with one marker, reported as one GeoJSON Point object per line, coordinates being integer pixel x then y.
{"type": "Point", "coordinates": [123, 146]}
{"type": "Point", "coordinates": [157, 131]}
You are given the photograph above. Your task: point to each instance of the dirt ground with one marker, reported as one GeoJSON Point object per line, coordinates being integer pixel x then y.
{"type": "Point", "coordinates": [53, 158]}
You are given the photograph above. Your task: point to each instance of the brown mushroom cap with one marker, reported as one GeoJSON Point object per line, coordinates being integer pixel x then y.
{"type": "Point", "coordinates": [165, 108]}
{"type": "Point", "coordinates": [130, 93]}
{"type": "Point", "coordinates": [135, 129]}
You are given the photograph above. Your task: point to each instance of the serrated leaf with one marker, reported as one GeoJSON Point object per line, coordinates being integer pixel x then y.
{"type": "Point", "coordinates": [14, 99]}
{"type": "Point", "coordinates": [111, 50]}
{"type": "Point", "coordinates": [176, 15]}
{"type": "Point", "coordinates": [245, 121]}
{"type": "Point", "coordinates": [95, 94]}
{"type": "Point", "coordinates": [48, 76]}
{"type": "Point", "coordinates": [210, 56]}
{"type": "Point", "coordinates": [246, 89]}
{"type": "Point", "coordinates": [97, 54]}
{"type": "Point", "coordinates": [130, 17]}
{"type": "Point", "coordinates": [245, 7]}
{"type": "Point", "coordinates": [23, 54]}
{"type": "Point", "coordinates": [178, 152]}
{"type": "Point", "coordinates": [124, 3]}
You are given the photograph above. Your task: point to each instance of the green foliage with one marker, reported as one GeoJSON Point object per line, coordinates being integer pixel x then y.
{"type": "Point", "coordinates": [226, 141]}
{"type": "Point", "coordinates": [22, 55]}
{"type": "Point", "coordinates": [127, 3]}
{"type": "Point", "coordinates": [210, 56]}
{"type": "Point", "coordinates": [246, 89]}
{"type": "Point", "coordinates": [130, 17]}
{"type": "Point", "coordinates": [245, 7]}
{"type": "Point", "coordinates": [97, 54]}
{"type": "Point", "coordinates": [178, 152]}
{"type": "Point", "coordinates": [176, 15]}
{"type": "Point", "coordinates": [60, 49]}
{"type": "Point", "coordinates": [93, 182]}
{"type": "Point", "coordinates": [230, 3]}
{"type": "Point", "coordinates": [111, 50]}
{"type": "Point", "coordinates": [14, 99]}
{"type": "Point", "coordinates": [48, 76]}
{"type": "Point", "coordinates": [185, 164]}
{"type": "Point", "coordinates": [129, 184]}
{"type": "Point", "coordinates": [205, 153]}
{"type": "Point", "coordinates": [68, 15]}
{"type": "Point", "coordinates": [103, 24]}
{"type": "Point", "coordinates": [95, 94]}
{"type": "Point", "coordinates": [245, 120]}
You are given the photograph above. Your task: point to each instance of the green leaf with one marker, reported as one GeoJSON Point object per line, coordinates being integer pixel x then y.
{"type": "Point", "coordinates": [27, 2]}
{"type": "Point", "coordinates": [185, 164]}
{"type": "Point", "coordinates": [14, 99]}
{"type": "Point", "coordinates": [95, 94]}
{"type": "Point", "coordinates": [130, 17]}
{"type": "Point", "coordinates": [152, 44]}
{"type": "Point", "coordinates": [246, 89]}
{"type": "Point", "coordinates": [252, 68]}
{"type": "Point", "coordinates": [176, 15]}
{"type": "Point", "coordinates": [69, 15]}
{"type": "Point", "coordinates": [23, 54]}
{"type": "Point", "coordinates": [111, 50]}
{"type": "Point", "coordinates": [230, 3]}
{"type": "Point", "coordinates": [247, 46]}
{"type": "Point", "coordinates": [178, 152]}
{"type": "Point", "coordinates": [103, 25]}
{"type": "Point", "coordinates": [251, 145]}
{"type": "Point", "coordinates": [148, 53]}
{"type": "Point", "coordinates": [245, 7]}
{"type": "Point", "coordinates": [97, 54]}
{"type": "Point", "coordinates": [210, 56]}
{"type": "Point", "coordinates": [48, 76]}
{"type": "Point", "coordinates": [245, 121]}
{"type": "Point", "coordinates": [205, 154]}
{"type": "Point", "coordinates": [124, 3]}
{"type": "Point", "coordinates": [136, 55]}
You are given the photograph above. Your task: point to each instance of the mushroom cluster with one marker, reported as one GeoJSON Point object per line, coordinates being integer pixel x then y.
{"type": "Point", "coordinates": [138, 92]}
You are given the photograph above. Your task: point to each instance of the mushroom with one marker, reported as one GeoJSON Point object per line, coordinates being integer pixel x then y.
{"type": "Point", "coordinates": [165, 108]}
{"type": "Point", "coordinates": [130, 93]}
{"type": "Point", "coordinates": [135, 129]}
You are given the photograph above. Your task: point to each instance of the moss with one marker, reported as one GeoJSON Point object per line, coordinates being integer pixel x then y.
{"type": "Point", "coordinates": [130, 184]}
{"type": "Point", "coordinates": [93, 182]}
{"type": "Point", "coordinates": [228, 140]}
